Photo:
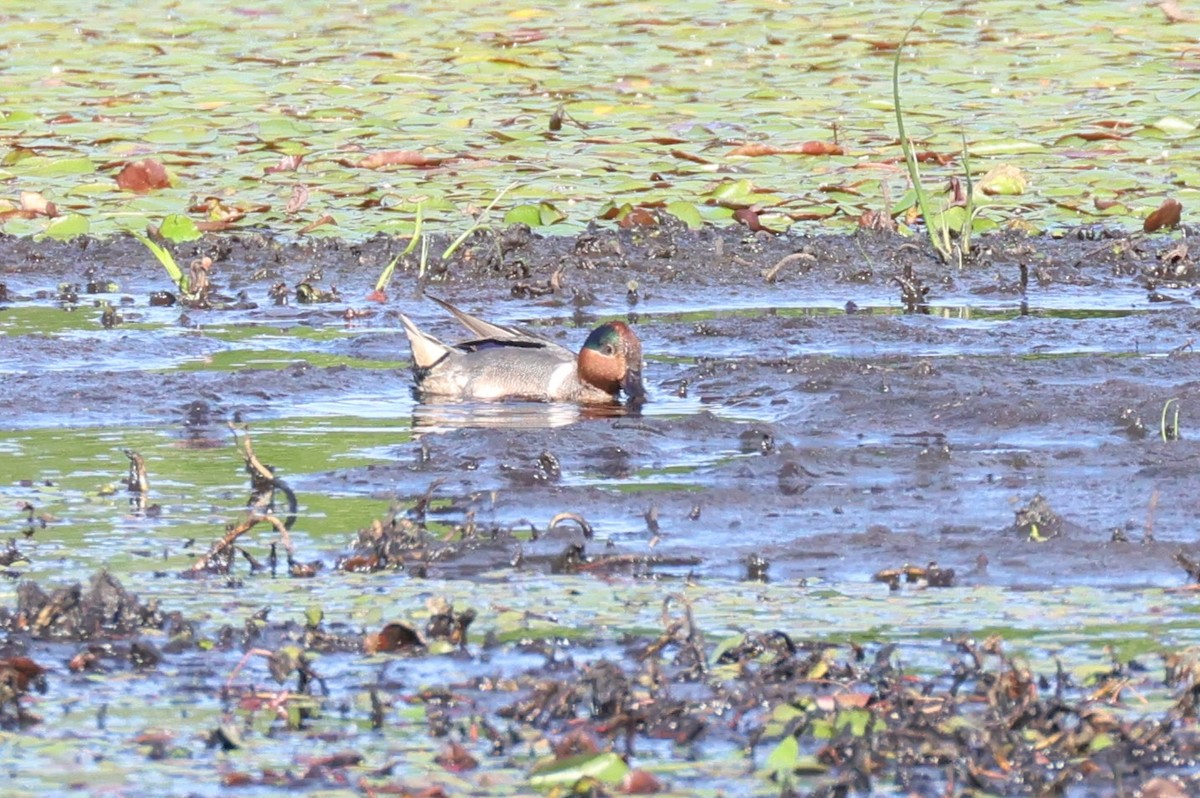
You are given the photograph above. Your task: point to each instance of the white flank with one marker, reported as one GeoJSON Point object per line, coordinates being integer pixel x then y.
{"type": "Point", "coordinates": [559, 377]}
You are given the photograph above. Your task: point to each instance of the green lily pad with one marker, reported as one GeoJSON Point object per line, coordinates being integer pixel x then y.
{"type": "Point", "coordinates": [1004, 147]}
{"type": "Point", "coordinates": [67, 227]}
{"type": "Point", "coordinates": [179, 228]}
{"type": "Point", "coordinates": [1173, 124]}
{"type": "Point", "coordinates": [45, 166]}
{"type": "Point", "coordinates": [687, 213]}
{"type": "Point", "coordinates": [606, 767]}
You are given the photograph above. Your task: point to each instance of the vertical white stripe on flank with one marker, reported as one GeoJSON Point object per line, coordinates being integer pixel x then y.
{"type": "Point", "coordinates": [561, 374]}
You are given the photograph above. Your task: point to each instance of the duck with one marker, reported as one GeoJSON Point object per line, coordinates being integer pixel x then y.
{"type": "Point", "coordinates": [501, 363]}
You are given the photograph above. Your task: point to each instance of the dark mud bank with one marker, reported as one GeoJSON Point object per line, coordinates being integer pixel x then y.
{"type": "Point", "coordinates": [828, 421]}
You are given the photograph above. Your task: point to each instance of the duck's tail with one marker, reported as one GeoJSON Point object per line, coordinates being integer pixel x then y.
{"type": "Point", "coordinates": [478, 327]}
{"type": "Point", "coordinates": [427, 351]}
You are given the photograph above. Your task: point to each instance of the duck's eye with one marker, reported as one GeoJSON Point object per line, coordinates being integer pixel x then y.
{"type": "Point", "coordinates": [609, 350]}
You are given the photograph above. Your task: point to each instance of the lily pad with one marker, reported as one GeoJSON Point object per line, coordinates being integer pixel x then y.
{"type": "Point", "coordinates": [605, 767]}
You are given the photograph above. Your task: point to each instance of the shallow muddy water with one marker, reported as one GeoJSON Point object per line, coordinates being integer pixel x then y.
{"type": "Point", "coordinates": [808, 422]}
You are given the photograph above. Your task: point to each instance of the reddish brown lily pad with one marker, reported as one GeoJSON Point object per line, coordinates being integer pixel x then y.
{"type": "Point", "coordinates": [143, 176]}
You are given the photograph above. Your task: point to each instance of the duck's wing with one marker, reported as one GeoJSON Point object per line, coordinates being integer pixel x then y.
{"type": "Point", "coordinates": [488, 334]}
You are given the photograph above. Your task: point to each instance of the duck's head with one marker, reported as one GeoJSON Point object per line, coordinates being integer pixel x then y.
{"type": "Point", "coordinates": [611, 360]}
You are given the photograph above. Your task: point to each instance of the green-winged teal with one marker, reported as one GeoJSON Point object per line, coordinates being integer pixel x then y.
{"type": "Point", "coordinates": [511, 363]}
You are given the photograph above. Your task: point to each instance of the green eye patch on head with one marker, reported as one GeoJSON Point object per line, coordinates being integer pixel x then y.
{"type": "Point", "coordinates": [606, 335]}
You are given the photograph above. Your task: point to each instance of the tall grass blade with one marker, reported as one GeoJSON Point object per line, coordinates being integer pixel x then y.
{"type": "Point", "coordinates": [932, 224]}
{"type": "Point", "coordinates": [478, 222]}
{"type": "Point", "coordinates": [386, 276]}
{"type": "Point", "coordinates": [166, 259]}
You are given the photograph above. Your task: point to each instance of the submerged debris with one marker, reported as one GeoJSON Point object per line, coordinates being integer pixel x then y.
{"type": "Point", "coordinates": [405, 540]}
{"type": "Point", "coordinates": [73, 613]}
{"type": "Point", "coordinates": [137, 482]}
{"type": "Point", "coordinates": [914, 294]}
{"type": "Point", "coordinates": [263, 484]}
{"type": "Point", "coordinates": [1037, 521]}
{"type": "Point", "coordinates": [813, 717]}
{"type": "Point", "coordinates": [17, 676]}
{"type": "Point", "coordinates": [931, 575]}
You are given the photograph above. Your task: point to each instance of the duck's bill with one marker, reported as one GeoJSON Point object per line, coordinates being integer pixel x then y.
{"type": "Point", "coordinates": [632, 385]}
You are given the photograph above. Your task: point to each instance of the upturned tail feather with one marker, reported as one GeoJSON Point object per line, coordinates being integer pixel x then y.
{"type": "Point", "coordinates": [427, 351]}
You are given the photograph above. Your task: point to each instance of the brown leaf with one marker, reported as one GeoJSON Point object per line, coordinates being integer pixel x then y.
{"type": "Point", "coordinates": [638, 217]}
{"type": "Point", "coordinates": [344, 759]}
{"type": "Point", "coordinates": [639, 782]}
{"type": "Point", "coordinates": [377, 296]}
{"type": "Point", "coordinates": [818, 148]}
{"type": "Point", "coordinates": [755, 150]}
{"type": "Point", "coordinates": [221, 212]}
{"type": "Point", "coordinates": [298, 200]}
{"type": "Point", "coordinates": [393, 637]}
{"type": "Point", "coordinates": [758, 149]}
{"type": "Point", "coordinates": [523, 35]}
{"type": "Point", "coordinates": [829, 703]}
{"type": "Point", "coordinates": [20, 671]}
{"type": "Point", "coordinates": [748, 217]}
{"type": "Point", "coordinates": [1172, 11]}
{"type": "Point", "coordinates": [143, 176]}
{"type": "Point", "coordinates": [365, 564]}
{"type": "Point", "coordinates": [687, 156]}
{"type": "Point", "coordinates": [927, 156]}
{"type": "Point", "coordinates": [313, 225]}
{"type": "Point", "coordinates": [379, 160]}
{"type": "Point", "coordinates": [958, 192]}
{"type": "Point", "coordinates": [154, 737]}
{"type": "Point", "coordinates": [287, 163]}
{"type": "Point", "coordinates": [35, 203]}
{"type": "Point", "coordinates": [456, 758]}
{"type": "Point", "coordinates": [217, 225]}
{"type": "Point", "coordinates": [876, 220]}
{"type": "Point", "coordinates": [1167, 215]}
{"type": "Point", "coordinates": [1099, 135]}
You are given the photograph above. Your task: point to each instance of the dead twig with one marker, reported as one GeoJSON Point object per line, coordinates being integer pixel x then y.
{"type": "Point", "coordinates": [577, 518]}
{"type": "Point", "coordinates": [221, 556]}
{"type": "Point", "coordinates": [263, 482]}
{"type": "Point", "coordinates": [137, 481]}
{"type": "Point", "coordinates": [246, 448]}
{"type": "Point", "coordinates": [772, 273]}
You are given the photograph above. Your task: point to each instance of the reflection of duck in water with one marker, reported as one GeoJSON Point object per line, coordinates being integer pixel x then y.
{"type": "Point", "coordinates": [442, 415]}
{"type": "Point", "coordinates": [510, 363]}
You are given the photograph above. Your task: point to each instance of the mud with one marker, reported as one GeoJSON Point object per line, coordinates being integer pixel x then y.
{"type": "Point", "coordinates": [823, 412]}
{"type": "Point", "coordinates": [820, 426]}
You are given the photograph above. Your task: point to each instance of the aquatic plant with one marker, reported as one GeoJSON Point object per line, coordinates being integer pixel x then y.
{"type": "Point", "coordinates": [479, 221]}
{"type": "Point", "coordinates": [939, 224]}
{"type": "Point", "coordinates": [1169, 433]}
{"type": "Point", "coordinates": [167, 260]}
{"type": "Point", "coordinates": [386, 275]}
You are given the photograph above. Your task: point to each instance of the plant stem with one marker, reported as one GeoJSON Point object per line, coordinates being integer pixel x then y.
{"type": "Point", "coordinates": [386, 276]}
{"type": "Point", "coordinates": [167, 260]}
{"type": "Point", "coordinates": [910, 158]}
{"type": "Point", "coordinates": [478, 221]}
